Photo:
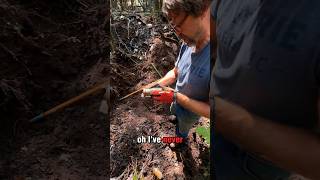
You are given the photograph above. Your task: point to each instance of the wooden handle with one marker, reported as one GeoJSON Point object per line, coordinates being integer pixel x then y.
{"type": "Point", "coordinates": [143, 87]}
{"type": "Point", "coordinates": [70, 101]}
{"type": "Point", "coordinates": [75, 99]}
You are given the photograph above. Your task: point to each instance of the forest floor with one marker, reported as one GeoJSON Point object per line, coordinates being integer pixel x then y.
{"type": "Point", "coordinates": [143, 49]}
{"type": "Point", "coordinates": [51, 51]}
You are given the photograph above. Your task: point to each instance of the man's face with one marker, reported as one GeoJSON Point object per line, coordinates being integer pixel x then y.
{"type": "Point", "coordinates": [186, 27]}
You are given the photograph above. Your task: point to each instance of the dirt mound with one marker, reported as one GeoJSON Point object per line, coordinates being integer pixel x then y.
{"type": "Point", "coordinates": [51, 51]}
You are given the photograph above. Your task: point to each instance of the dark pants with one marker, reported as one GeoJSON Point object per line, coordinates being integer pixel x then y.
{"type": "Point", "coordinates": [185, 119]}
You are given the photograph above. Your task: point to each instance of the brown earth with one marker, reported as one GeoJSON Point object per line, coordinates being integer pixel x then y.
{"type": "Point", "coordinates": [51, 51]}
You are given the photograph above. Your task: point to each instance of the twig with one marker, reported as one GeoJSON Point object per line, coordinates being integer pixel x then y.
{"type": "Point", "coordinates": [140, 89]}
{"type": "Point", "coordinates": [129, 21]}
{"type": "Point", "coordinates": [156, 70]}
{"type": "Point", "coordinates": [82, 3]}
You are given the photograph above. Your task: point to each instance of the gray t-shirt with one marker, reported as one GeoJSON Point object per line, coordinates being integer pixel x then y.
{"type": "Point", "coordinates": [268, 58]}
{"type": "Point", "coordinates": [194, 77]}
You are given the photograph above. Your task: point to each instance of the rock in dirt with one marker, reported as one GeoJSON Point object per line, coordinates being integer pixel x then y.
{"type": "Point", "coordinates": [172, 145]}
{"type": "Point", "coordinates": [157, 173]}
{"type": "Point", "coordinates": [64, 157]}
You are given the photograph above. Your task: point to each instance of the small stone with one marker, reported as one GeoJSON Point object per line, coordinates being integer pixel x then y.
{"type": "Point", "coordinates": [206, 174]}
{"type": "Point", "coordinates": [24, 148]}
{"type": "Point", "coordinates": [172, 145]}
{"type": "Point", "coordinates": [64, 157]}
{"type": "Point", "coordinates": [157, 173]}
{"type": "Point", "coordinates": [174, 156]}
{"type": "Point", "coordinates": [172, 118]}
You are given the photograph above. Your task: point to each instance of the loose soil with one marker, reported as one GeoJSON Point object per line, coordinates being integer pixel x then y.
{"type": "Point", "coordinates": [51, 51]}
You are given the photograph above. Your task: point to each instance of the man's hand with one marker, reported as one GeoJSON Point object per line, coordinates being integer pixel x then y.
{"type": "Point", "coordinates": [288, 147]}
{"type": "Point", "coordinates": [163, 96]}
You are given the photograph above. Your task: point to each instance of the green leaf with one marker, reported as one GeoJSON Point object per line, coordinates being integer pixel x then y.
{"type": "Point", "coordinates": [204, 132]}
{"type": "Point", "coordinates": [135, 175]}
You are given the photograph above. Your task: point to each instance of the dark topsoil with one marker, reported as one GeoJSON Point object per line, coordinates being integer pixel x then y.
{"type": "Point", "coordinates": [51, 51]}
{"type": "Point", "coordinates": [131, 67]}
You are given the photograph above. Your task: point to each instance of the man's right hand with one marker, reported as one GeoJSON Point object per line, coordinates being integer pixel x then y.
{"type": "Point", "coordinates": [163, 96]}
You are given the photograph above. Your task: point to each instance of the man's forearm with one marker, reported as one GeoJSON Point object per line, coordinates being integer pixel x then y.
{"type": "Point", "coordinates": [198, 107]}
{"type": "Point", "coordinates": [168, 79]}
{"type": "Point", "coordinates": [291, 148]}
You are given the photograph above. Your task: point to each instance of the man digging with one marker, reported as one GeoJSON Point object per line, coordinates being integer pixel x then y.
{"type": "Point", "coordinates": [190, 99]}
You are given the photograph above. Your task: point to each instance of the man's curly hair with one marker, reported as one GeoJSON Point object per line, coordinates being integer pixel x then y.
{"type": "Point", "coordinates": [192, 7]}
